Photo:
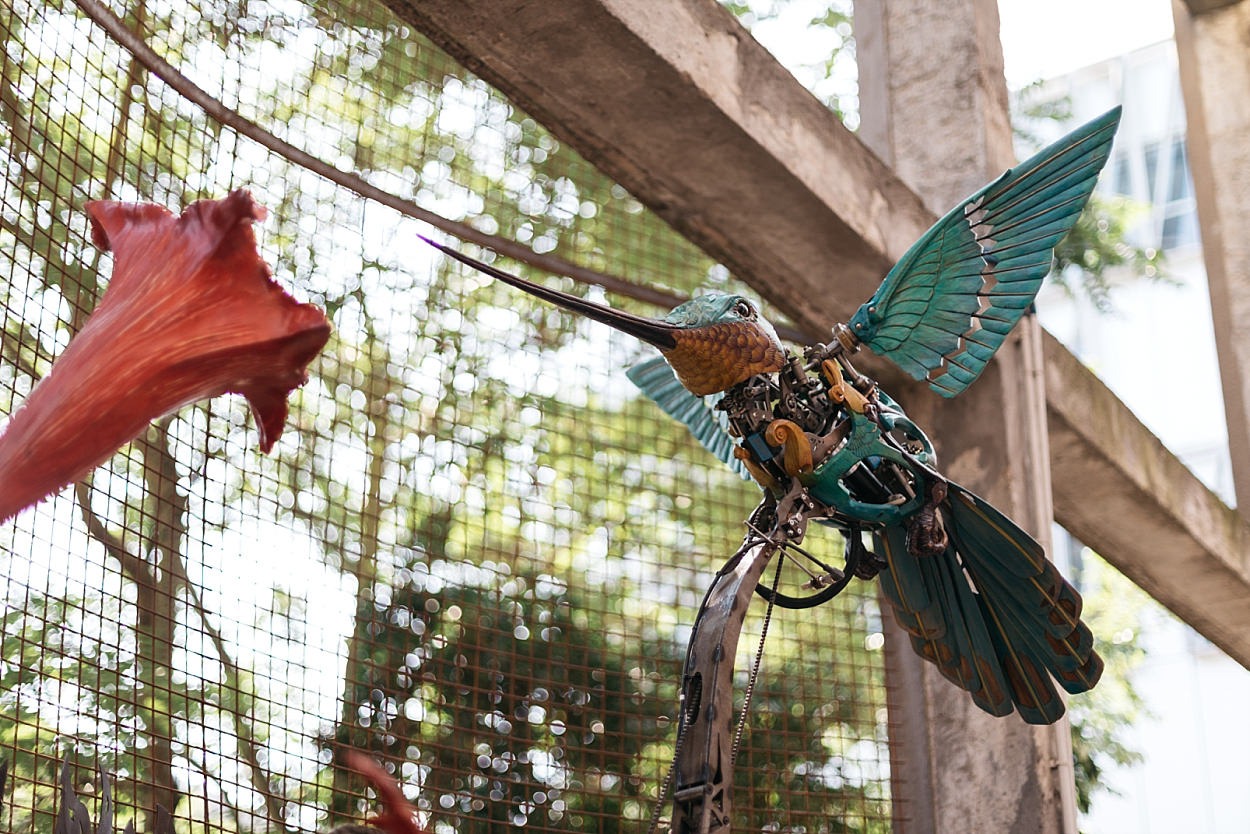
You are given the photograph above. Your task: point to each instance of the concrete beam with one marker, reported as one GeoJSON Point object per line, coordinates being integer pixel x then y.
{"type": "Point", "coordinates": [1148, 514]}
{"type": "Point", "coordinates": [681, 106]}
{"type": "Point", "coordinates": [676, 99]}
{"type": "Point", "coordinates": [1215, 76]}
{"type": "Point", "coordinates": [1198, 7]}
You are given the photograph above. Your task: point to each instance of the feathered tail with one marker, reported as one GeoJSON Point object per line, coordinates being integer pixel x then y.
{"type": "Point", "coordinates": [991, 612]}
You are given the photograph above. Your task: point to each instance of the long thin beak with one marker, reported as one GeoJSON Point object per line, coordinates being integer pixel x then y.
{"type": "Point", "coordinates": [651, 331]}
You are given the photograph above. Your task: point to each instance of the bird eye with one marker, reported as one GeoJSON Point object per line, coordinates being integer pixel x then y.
{"type": "Point", "coordinates": [744, 310]}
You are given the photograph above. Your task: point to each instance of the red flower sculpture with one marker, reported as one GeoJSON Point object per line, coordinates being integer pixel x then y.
{"type": "Point", "coordinates": [191, 312]}
{"type": "Point", "coordinates": [398, 816]}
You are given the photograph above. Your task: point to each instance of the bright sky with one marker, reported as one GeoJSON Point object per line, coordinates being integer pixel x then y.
{"type": "Point", "coordinates": [1042, 40]}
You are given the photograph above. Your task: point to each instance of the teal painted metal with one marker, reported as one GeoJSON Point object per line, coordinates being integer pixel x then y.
{"type": "Point", "coordinates": [866, 445]}
{"type": "Point", "coordinates": [708, 425]}
{"type": "Point", "coordinates": [947, 305]}
{"type": "Point", "coordinates": [717, 308]}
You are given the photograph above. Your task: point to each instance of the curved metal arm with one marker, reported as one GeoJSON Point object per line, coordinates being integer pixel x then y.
{"type": "Point", "coordinates": [703, 771]}
{"type": "Point", "coordinates": [829, 584]}
{"type": "Point", "coordinates": [702, 774]}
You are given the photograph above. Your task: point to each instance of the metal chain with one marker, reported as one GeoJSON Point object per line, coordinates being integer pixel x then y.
{"type": "Point", "coordinates": [759, 657]}
{"type": "Point", "coordinates": [667, 784]}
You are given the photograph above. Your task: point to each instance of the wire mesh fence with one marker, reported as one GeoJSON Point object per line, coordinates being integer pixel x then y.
{"type": "Point", "coordinates": [476, 553]}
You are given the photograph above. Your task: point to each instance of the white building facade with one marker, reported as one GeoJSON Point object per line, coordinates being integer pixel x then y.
{"type": "Point", "coordinates": [1156, 350]}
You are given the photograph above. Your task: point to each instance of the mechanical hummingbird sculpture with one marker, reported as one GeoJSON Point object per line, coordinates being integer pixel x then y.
{"type": "Point", "coordinates": [975, 593]}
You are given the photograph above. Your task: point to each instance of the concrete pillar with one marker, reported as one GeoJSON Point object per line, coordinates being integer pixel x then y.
{"type": "Point", "coordinates": [1214, 52]}
{"type": "Point", "coordinates": [933, 104]}
{"type": "Point", "coordinates": [1198, 7]}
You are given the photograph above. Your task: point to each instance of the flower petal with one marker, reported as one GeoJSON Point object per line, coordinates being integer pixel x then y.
{"type": "Point", "coordinates": [398, 816]}
{"type": "Point", "coordinates": [191, 312]}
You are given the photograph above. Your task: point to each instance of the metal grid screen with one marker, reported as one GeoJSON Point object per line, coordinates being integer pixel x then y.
{"type": "Point", "coordinates": [476, 552]}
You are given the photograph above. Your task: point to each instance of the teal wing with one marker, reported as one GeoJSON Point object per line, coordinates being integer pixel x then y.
{"type": "Point", "coordinates": [710, 427]}
{"type": "Point", "coordinates": [991, 612]}
{"type": "Point", "coordinates": [949, 303]}
{"type": "Point", "coordinates": [1035, 611]}
{"type": "Point", "coordinates": [938, 609]}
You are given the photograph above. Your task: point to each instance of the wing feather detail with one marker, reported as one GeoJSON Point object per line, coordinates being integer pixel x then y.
{"type": "Point", "coordinates": [946, 307]}
{"type": "Point", "coordinates": [710, 427]}
{"type": "Point", "coordinates": [991, 612]}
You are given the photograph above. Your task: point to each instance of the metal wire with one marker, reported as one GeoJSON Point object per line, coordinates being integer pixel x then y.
{"type": "Point", "coordinates": [475, 552]}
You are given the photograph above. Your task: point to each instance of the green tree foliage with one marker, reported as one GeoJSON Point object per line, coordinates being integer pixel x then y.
{"type": "Point", "coordinates": [60, 152]}
{"type": "Point", "coordinates": [522, 552]}
{"type": "Point", "coordinates": [509, 699]}
{"type": "Point", "coordinates": [822, 58]}
{"type": "Point", "coordinates": [1116, 610]}
{"type": "Point", "coordinates": [1096, 253]}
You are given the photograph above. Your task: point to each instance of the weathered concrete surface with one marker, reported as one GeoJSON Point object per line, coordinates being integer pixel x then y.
{"type": "Point", "coordinates": [1214, 52]}
{"type": "Point", "coordinates": [675, 99]}
{"type": "Point", "coordinates": [933, 104]}
{"type": "Point", "coordinates": [1178, 541]}
{"type": "Point", "coordinates": [682, 107]}
{"type": "Point", "coordinates": [1198, 7]}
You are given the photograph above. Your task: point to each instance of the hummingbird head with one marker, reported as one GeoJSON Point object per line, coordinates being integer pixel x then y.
{"type": "Point", "coordinates": [721, 340]}
{"type": "Point", "coordinates": [712, 342]}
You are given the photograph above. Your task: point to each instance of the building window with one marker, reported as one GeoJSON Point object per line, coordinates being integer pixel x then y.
{"type": "Point", "coordinates": [1157, 174]}
{"type": "Point", "coordinates": [1180, 187]}
{"type": "Point", "coordinates": [1179, 219]}
{"type": "Point", "coordinates": [1123, 179]}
